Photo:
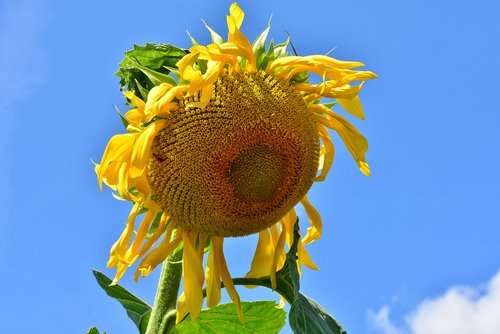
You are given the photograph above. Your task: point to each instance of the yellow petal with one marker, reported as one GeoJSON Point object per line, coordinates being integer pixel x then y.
{"type": "Point", "coordinates": [236, 14]}
{"type": "Point", "coordinates": [142, 148]}
{"type": "Point", "coordinates": [305, 258]}
{"type": "Point", "coordinates": [162, 226]}
{"type": "Point", "coordinates": [329, 61]}
{"type": "Point", "coordinates": [280, 246]}
{"type": "Point", "coordinates": [213, 280]}
{"type": "Point", "coordinates": [135, 100]}
{"type": "Point", "coordinates": [134, 116]}
{"type": "Point", "coordinates": [133, 251]}
{"type": "Point", "coordinates": [352, 106]}
{"type": "Point", "coordinates": [314, 231]}
{"type": "Point", "coordinates": [289, 221]}
{"type": "Point", "coordinates": [327, 153]}
{"type": "Point", "coordinates": [263, 252]}
{"type": "Point", "coordinates": [159, 254]}
{"type": "Point", "coordinates": [182, 309]}
{"type": "Point", "coordinates": [217, 246]}
{"type": "Point", "coordinates": [119, 248]}
{"type": "Point", "coordinates": [355, 142]}
{"type": "Point", "coordinates": [192, 270]}
{"type": "Point", "coordinates": [117, 146]}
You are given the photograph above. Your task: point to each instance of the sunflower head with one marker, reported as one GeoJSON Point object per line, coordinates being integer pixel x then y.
{"type": "Point", "coordinates": [237, 165]}
{"type": "Point", "coordinates": [227, 148]}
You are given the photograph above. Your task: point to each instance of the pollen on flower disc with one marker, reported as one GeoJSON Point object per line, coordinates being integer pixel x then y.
{"type": "Point", "coordinates": [240, 164]}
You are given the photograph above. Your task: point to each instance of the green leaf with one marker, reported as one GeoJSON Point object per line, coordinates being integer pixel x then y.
{"type": "Point", "coordinates": [137, 309]}
{"type": "Point", "coordinates": [260, 317]}
{"type": "Point", "coordinates": [93, 330]}
{"type": "Point", "coordinates": [144, 62]}
{"type": "Point", "coordinates": [308, 317]}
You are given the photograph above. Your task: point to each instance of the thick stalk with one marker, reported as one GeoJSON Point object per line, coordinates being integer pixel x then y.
{"type": "Point", "coordinates": [163, 314]}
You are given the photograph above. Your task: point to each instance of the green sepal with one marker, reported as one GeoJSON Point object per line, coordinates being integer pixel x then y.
{"type": "Point", "coordinates": [263, 317]}
{"type": "Point", "coordinates": [329, 105]}
{"type": "Point", "coordinates": [280, 50]}
{"type": "Point", "coordinates": [154, 225]}
{"type": "Point", "coordinates": [93, 330]}
{"type": "Point", "coordinates": [273, 52]}
{"type": "Point", "coordinates": [191, 38]}
{"type": "Point", "coordinates": [122, 117]}
{"type": "Point", "coordinates": [259, 45]}
{"type": "Point", "coordinates": [137, 309]}
{"type": "Point", "coordinates": [301, 77]}
{"type": "Point", "coordinates": [308, 317]}
{"type": "Point", "coordinates": [143, 91]}
{"type": "Point", "coordinates": [216, 38]}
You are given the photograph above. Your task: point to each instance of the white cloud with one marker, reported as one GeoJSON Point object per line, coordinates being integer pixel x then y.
{"type": "Point", "coordinates": [380, 321]}
{"type": "Point", "coordinates": [461, 310]}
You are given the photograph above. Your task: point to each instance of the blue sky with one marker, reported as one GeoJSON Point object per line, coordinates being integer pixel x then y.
{"type": "Point", "coordinates": [414, 245]}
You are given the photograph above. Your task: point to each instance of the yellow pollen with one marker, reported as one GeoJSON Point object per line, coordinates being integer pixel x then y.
{"type": "Point", "coordinates": [240, 164]}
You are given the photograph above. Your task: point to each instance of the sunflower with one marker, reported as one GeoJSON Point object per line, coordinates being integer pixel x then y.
{"type": "Point", "coordinates": [228, 150]}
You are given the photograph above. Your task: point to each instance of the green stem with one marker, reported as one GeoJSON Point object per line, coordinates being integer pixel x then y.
{"type": "Point", "coordinates": [163, 314]}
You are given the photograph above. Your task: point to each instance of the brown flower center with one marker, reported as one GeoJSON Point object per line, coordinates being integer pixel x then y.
{"type": "Point", "coordinates": [240, 164]}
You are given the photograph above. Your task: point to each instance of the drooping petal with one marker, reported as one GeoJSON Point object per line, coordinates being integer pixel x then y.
{"type": "Point", "coordinates": [327, 153]}
{"type": "Point", "coordinates": [278, 252]}
{"type": "Point", "coordinates": [353, 106]}
{"type": "Point", "coordinates": [355, 142]}
{"type": "Point", "coordinates": [159, 254]}
{"type": "Point", "coordinates": [263, 252]}
{"type": "Point", "coordinates": [118, 250]}
{"type": "Point", "coordinates": [217, 245]}
{"type": "Point", "coordinates": [305, 258]}
{"type": "Point", "coordinates": [289, 221]}
{"type": "Point", "coordinates": [162, 226]}
{"type": "Point", "coordinates": [192, 271]}
{"type": "Point", "coordinates": [213, 280]}
{"type": "Point", "coordinates": [182, 308]}
{"type": "Point", "coordinates": [313, 231]}
{"type": "Point", "coordinates": [132, 253]}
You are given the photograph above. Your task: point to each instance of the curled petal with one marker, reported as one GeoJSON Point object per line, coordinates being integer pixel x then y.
{"type": "Point", "coordinates": [117, 147]}
{"type": "Point", "coordinates": [142, 148]}
{"type": "Point", "coordinates": [327, 153]}
{"type": "Point", "coordinates": [355, 142]}
{"type": "Point", "coordinates": [159, 254]}
{"type": "Point", "coordinates": [135, 100]}
{"type": "Point", "coordinates": [313, 231]}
